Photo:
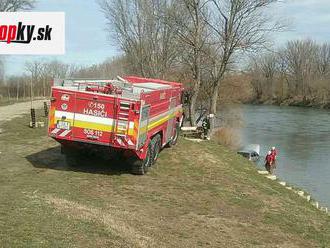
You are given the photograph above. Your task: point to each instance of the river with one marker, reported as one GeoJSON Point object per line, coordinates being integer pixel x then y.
{"type": "Point", "coordinates": [302, 138]}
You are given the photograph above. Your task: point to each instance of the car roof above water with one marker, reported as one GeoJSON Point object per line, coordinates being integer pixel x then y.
{"type": "Point", "coordinates": [251, 148]}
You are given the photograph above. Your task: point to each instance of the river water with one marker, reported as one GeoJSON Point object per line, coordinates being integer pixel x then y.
{"type": "Point", "coordinates": [302, 138]}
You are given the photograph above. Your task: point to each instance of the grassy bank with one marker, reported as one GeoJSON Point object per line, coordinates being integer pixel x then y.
{"type": "Point", "coordinates": [199, 195]}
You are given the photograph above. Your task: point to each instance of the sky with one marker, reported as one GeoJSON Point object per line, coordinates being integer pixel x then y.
{"type": "Point", "coordinates": [87, 41]}
{"type": "Point", "coordinates": [307, 19]}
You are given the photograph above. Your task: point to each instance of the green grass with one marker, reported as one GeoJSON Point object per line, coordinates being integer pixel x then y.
{"type": "Point", "coordinates": [197, 195]}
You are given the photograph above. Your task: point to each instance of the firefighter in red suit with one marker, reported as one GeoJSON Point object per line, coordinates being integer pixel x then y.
{"type": "Point", "coordinates": [269, 162]}
{"type": "Point", "coordinates": [274, 154]}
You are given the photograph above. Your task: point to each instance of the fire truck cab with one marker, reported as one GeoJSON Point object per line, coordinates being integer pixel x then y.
{"type": "Point", "coordinates": [132, 116]}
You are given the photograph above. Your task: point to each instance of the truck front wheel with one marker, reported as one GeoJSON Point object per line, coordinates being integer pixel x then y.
{"type": "Point", "coordinates": [141, 167]}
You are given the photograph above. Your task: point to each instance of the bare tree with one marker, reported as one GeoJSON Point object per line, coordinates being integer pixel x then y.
{"type": "Point", "coordinates": [268, 76]}
{"type": "Point", "coordinates": [191, 30]}
{"type": "Point", "coordinates": [258, 79]}
{"type": "Point", "coordinates": [301, 59]}
{"type": "Point", "coordinates": [323, 60]}
{"type": "Point", "coordinates": [238, 26]}
{"type": "Point", "coordinates": [141, 29]}
{"type": "Point", "coordinates": [44, 77]}
{"type": "Point", "coordinates": [298, 74]}
{"type": "Point", "coordinates": [36, 80]}
{"type": "Point", "coordinates": [57, 69]}
{"type": "Point", "coordinates": [34, 68]}
{"type": "Point", "coordinates": [16, 5]}
{"type": "Point", "coordinates": [12, 6]}
{"type": "Point", "coordinates": [72, 70]}
{"type": "Point", "coordinates": [2, 71]}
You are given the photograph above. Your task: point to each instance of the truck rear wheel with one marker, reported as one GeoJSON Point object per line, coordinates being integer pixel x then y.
{"type": "Point", "coordinates": [155, 146]}
{"type": "Point", "coordinates": [141, 167]}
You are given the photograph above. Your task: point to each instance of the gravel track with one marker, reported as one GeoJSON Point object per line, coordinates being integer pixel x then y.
{"type": "Point", "coordinates": [18, 109]}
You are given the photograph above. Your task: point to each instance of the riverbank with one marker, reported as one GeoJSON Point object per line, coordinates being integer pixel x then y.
{"type": "Point", "coordinates": [293, 102]}
{"type": "Point", "coordinates": [200, 194]}
{"type": "Point", "coordinates": [302, 137]}
{"type": "Point", "coordinates": [307, 196]}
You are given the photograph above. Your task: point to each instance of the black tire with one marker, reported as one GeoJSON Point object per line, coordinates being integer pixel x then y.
{"type": "Point", "coordinates": [141, 167]}
{"type": "Point", "coordinates": [175, 138]}
{"type": "Point", "coordinates": [155, 147]}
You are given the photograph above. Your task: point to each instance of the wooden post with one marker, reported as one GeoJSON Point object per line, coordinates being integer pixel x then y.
{"type": "Point", "coordinates": [33, 118]}
{"type": "Point", "coordinates": [46, 109]}
{"type": "Point", "coordinates": [31, 91]}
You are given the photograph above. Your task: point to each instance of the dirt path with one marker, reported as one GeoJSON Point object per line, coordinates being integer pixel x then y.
{"type": "Point", "coordinates": [11, 111]}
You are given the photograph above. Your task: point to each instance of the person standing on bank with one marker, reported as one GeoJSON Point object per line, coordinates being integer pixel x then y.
{"type": "Point", "coordinates": [269, 162]}
{"type": "Point", "coordinates": [206, 125]}
{"type": "Point", "coordinates": [274, 153]}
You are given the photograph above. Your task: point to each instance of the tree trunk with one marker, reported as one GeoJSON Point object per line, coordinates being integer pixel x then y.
{"type": "Point", "coordinates": [213, 106]}
{"type": "Point", "coordinates": [197, 84]}
{"type": "Point", "coordinates": [192, 109]}
{"type": "Point", "coordinates": [193, 101]}
{"type": "Point", "coordinates": [44, 86]}
{"type": "Point", "coordinates": [24, 89]}
{"type": "Point", "coordinates": [8, 91]}
{"type": "Point", "coordinates": [17, 91]}
{"type": "Point", "coordinates": [31, 91]}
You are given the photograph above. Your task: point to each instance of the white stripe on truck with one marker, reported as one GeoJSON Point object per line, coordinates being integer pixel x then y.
{"type": "Point", "coordinates": [55, 131]}
{"type": "Point", "coordinates": [60, 114]}
{"type": "Point", "coordinates": [90, 118]}
{"type": "Point", "coordinates": [65, 133]}
{"type": "Point", "coordinates": [82, 117]}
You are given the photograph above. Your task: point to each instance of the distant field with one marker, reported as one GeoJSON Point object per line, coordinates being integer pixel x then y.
{"type": "Point", "coordinates": [200, 195]}
{"type": "Point", "coordinates": [9, 102]}
{"type": "Point", "coordinates": [5, 101]}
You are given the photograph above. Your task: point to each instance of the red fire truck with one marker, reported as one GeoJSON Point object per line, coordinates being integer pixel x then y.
{"type": "Point", "coordinates": [131, 116]}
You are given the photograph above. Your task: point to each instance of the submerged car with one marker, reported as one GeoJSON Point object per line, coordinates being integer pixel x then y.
{"type": "Point", "coordinates": [251, 152]}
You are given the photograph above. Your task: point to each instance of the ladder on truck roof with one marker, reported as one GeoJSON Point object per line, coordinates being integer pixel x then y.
{"type": "Point", "coordinates": [121, 122]}
{"type": "Point", "coordinates": [119, 82]}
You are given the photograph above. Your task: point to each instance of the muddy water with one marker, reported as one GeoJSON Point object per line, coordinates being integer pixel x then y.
{"type": "Point", "coordinates": [301, 135]}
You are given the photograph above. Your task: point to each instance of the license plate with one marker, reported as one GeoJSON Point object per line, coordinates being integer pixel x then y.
{"type": "Point", "coordinates": [63, 125]}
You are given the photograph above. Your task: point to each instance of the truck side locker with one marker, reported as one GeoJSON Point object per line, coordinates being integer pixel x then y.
{"type": "Point", "coordinates": [143, 126]}
{"type": "Point", "coordinates": [121, 122]}
{"type": "Point", "coordinates": [171, 121]}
